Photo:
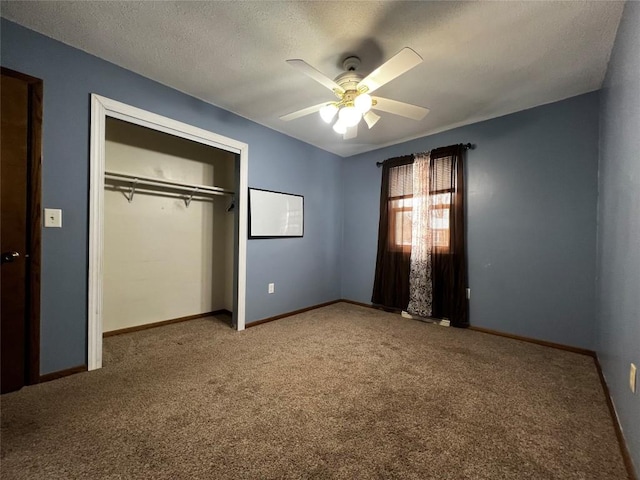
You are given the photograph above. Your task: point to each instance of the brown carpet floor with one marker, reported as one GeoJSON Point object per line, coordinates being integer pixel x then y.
{"type": "Point", "coordinates": [341, 392]}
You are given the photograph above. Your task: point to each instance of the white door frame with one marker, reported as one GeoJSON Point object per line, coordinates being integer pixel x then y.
{"type": "Point", "coordinates": [101, 108]}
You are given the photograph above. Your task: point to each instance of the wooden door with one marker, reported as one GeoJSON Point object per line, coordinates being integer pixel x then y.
{"type": "Point", "coordinates": [20, 145]}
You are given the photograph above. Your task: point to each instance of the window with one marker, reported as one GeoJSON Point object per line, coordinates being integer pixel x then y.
{"type": "Point", "coordinates": [400, 193]}
{"type": "Point", "coordinates": [440, 203]}
{"type": "Point", "coordinates": [400, 221]}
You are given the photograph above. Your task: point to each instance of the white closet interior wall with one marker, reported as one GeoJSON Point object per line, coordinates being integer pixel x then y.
{"type": "Point", "coordinates": [162, 259]}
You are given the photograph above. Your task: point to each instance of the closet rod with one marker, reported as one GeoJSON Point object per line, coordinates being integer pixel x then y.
{"type": "Point", "coordinates": [186, 187]}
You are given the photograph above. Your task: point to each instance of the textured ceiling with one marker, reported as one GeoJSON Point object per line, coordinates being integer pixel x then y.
{"type": "Point", "coordinates": [481, 59]}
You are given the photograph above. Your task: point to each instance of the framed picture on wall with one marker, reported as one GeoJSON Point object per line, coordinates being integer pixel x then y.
{"type": "Point", "coordinates": [275, 214]}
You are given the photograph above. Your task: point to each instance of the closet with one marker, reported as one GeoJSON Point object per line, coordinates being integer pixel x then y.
{"type": "Point", "coordinates": [169, 223]}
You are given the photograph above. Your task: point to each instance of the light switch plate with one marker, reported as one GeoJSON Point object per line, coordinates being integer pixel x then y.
{"type": "Point", "coordinates": [53, 217]}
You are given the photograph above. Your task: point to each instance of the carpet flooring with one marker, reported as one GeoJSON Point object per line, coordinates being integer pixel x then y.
{"type": "Point", "coordinates": [340, 392]}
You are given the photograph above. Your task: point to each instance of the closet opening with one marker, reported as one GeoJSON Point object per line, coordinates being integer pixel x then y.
{"type": "Point", "coordinates": [167, 223]}
{"type": "Point", "coordinates": [169, 212]}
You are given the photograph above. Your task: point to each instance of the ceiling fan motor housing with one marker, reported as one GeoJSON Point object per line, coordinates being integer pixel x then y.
{"type": "Point", "coordinates": [348, 81]}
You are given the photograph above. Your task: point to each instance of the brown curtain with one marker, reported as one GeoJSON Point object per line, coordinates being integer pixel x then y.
{"type": "Point", "coordinates": [391, 285]}
{"type": "Point", "coordinates": [449, 274]}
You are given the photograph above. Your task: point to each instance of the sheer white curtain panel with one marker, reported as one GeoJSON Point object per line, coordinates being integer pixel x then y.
{"type": "Point", "coordinates": [420, 282]}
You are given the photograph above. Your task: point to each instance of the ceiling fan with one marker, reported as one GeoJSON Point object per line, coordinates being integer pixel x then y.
{"type": "Point", "coordinates": [353, 92]}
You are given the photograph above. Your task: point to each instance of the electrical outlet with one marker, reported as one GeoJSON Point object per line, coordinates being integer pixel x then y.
{"type": "Point", "coordinates": [468, 294]}
{"type": "Point", "coordinates": [632, 378]}
{"type": "Point", "coordinates": [272, 288]}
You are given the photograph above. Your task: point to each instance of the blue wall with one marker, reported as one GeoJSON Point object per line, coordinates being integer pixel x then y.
{"type": "Point", "coordinates": [531, 219]}
{"type": "Point", "coordinates": [619, 226]}
{"type": "Point", "coordinates": [306, 271]}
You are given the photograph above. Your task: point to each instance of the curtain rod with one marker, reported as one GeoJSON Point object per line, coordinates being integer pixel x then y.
{"type": "Point", "coordinates": [466, 146]}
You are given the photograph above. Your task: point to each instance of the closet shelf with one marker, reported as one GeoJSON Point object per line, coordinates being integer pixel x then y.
{"type": "Point", "coordinates": [192, 190]}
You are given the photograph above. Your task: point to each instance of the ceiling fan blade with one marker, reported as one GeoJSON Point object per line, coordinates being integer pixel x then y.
{"type": "Point", "coordinates": [318, 76]}
{"type": "Point", "coordinates": [400, 108]}
{"type": "Point", "coordinates": [401, 62]}
{"type": "Point", "coordinates": [352, 132]}
{"type": "Point", "coordinates": [303, 112]}
{"type": "Point", "coordinates": [371, 118]}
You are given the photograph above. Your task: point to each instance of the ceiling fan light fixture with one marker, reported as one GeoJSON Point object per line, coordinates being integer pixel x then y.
{"type": "Point", "coordinates": [363, 103]}
{"type": "Point", "coordinates": [349, 116]}
{"type": "Point", "coordinates": [328, 112]}
{"type": "Point", "coordinates": [339, 127]}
